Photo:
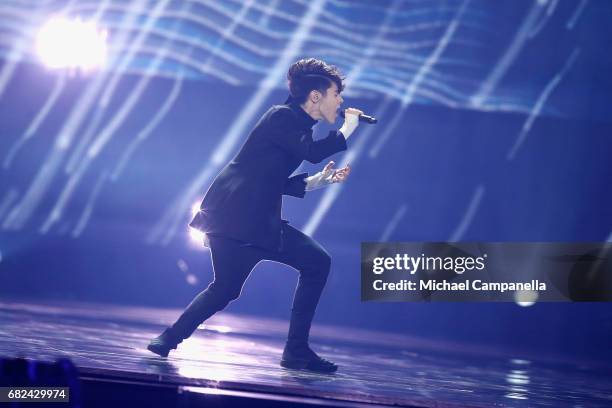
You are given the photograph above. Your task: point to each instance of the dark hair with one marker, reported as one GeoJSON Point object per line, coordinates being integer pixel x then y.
{"type": "Point", "coordinates": [311, 74]}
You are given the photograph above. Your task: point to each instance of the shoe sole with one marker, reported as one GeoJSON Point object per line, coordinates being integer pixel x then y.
{"type": "Point", "coordinates": [158, 350]}
{"type": "Point", "coordinates": [304, 365]}
{"type": "Point", "coordinates": [294, 364]}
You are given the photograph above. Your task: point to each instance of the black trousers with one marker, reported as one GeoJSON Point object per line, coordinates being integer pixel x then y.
{"type": "Point", "coordinates": [232, 263]}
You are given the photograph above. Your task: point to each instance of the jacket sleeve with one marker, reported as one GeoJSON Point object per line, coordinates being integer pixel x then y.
{"type": "Point", "coordinates": [284, 133]}
{"type": "Point", "coordinates": [296, 185]}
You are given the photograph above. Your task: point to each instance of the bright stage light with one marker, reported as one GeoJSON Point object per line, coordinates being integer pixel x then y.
{"type": "Point", "coordinates": [198, 237]}
{"type": "Point", "coordinates": [526, 298]}
{"type": "Point", "coordinates": [71, 43]}
{"type": "Point", "coordinates": [195, 207]}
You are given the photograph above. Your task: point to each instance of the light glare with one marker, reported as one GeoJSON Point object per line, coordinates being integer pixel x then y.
{"type": "Point", "coordinates": [525, 298]}
{"type": "Point", "coordinates": [196, 235]}
{"type": "Point", "coordinates": [71, 43]}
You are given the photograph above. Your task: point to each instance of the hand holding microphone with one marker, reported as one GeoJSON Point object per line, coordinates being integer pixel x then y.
{"type": "Point", "coordinates": [352, 117]}
{"type": "Point", "coordinates": [351, 121]}
{"type": "Point", "coordinates": [363, 117]}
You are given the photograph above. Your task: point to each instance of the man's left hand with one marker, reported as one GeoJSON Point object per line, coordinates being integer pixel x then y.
{"type": "Point", "coordinates": [327, 176]}
{"type": "Point", "coordinates": [336, 175]}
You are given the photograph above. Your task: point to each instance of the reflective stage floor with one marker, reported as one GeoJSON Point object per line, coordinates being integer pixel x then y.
{"type": "Point", "coordinates": [238, 354]}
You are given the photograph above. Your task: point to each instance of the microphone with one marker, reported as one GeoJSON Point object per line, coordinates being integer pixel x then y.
{"type": "Point", "coordinates": [364, 118]}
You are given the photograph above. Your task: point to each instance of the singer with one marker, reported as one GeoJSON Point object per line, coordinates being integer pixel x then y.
{"type": "Point", "coordinates": [241, 211]}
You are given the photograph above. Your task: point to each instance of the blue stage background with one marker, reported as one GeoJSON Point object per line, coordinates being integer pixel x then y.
{"type": "Point", "coordinates": [494, 125]}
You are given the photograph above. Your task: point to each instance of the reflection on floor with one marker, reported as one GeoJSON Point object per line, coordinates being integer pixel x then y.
{"type": "Point", "coordinates": [241, 353]}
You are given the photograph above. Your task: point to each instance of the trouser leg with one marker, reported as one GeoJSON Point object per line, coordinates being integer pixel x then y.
{"type": "Point", "coordinates": [313, 264]}
{"type": "Point", "coordinates": [203, 306]}
{"type": "Point", "coordinates": [232, 263]}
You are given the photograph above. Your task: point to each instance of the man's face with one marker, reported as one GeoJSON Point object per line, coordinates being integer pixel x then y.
{"type": "Point", "coordinates": [329, 104]}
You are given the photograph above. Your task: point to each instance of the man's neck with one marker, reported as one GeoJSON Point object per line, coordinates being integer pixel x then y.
{"type": "Point", "coordinates": [311, 110]}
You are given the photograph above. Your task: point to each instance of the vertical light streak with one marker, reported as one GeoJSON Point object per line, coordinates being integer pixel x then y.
{"type": "Point", "coordinates": [542, 23]}
{"type": "Point", "coordinates": [520, 38]}
{"type": "Point", "coordinates": [84, 139]}
{"type": "Point", "coordinates": [152, 16]}
{"type": "Point", "coordinates": [469, 215]}
{"type": "Point", "coordinates": [144, 133]}
{"type": "Point", "coordinates": [89, 207]}
{"type": "Point", "coordinates": [114, 81]}
{"type": "Point", "coordinates": [419, 77]}
{"type": "Point", "coordinates": [7, 201]}
{"type": "Point", "coordinates": [35, 124]}
{"type": "Point", "coordinates": [393, 223]}
{"type": "Point", "coordinates": [537, 108]}
{"type": "Point", "coordinates": [265, 17]}
{"type": "Point", "coordinates": [576, 15]}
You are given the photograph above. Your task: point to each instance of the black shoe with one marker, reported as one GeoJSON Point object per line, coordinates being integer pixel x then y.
{"type": "Point", "coordinates": [303, 358]}
{"type": "Point", "coordinates": [162, 344]}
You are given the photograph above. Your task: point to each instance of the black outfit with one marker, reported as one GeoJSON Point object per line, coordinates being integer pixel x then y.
{"type": "Point", "coordinates": [241, 215]}
{"type": "Point", "coordinates": [244, 202]}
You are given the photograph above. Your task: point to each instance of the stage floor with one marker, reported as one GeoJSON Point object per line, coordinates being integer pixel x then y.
{"type": "Point", "coordinates": [238, 353]}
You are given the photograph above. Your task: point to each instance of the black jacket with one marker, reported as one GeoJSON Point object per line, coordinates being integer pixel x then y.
{"type": "Point", "coordinates": [244, 201]}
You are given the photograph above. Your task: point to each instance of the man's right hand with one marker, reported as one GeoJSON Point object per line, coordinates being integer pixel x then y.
{"type": "Point", "coordinates": [351, 121]}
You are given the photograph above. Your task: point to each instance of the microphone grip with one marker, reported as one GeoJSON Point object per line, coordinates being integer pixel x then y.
{"type": "Point", "coordinates": [363, 118]}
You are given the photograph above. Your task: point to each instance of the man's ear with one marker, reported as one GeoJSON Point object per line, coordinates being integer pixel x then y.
{"type": "Point", "coordinates": [315, 96]}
